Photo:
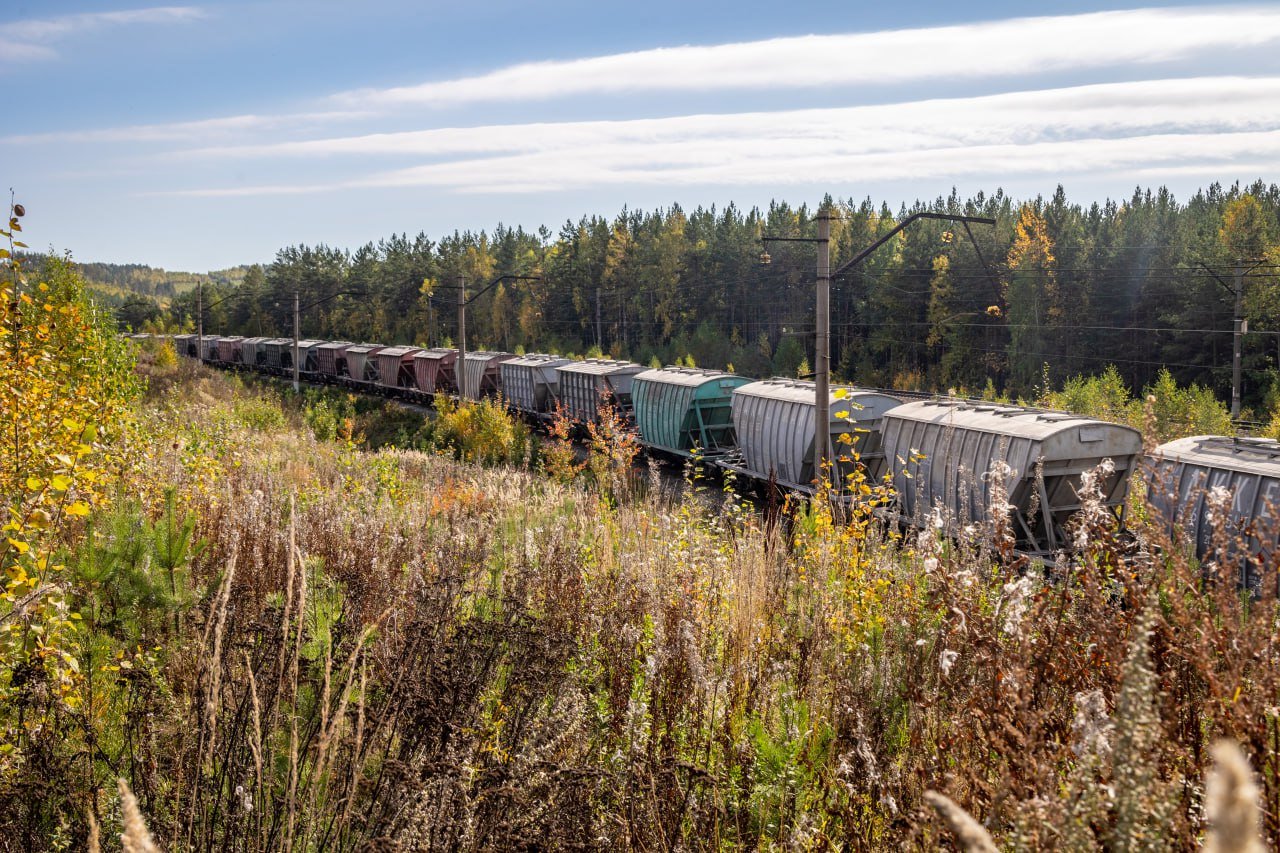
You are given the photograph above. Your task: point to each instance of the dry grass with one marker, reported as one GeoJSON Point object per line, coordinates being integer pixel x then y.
{"type": "Point", "coordinates": [393, 650]}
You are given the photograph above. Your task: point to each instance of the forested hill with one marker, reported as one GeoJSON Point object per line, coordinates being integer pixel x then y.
{"type": "Point", "coordinates": [120, 284]}
{"type": "Point", "coordinates": [1055, 287]}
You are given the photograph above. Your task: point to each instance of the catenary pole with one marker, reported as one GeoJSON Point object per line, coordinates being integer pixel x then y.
{"type": "Point", "coordinates": [297, 320]}
{"type": "Point", "coordinates": [199, 321]}
{"type": "Point", "coordinates": [458, 370]}
{"type": "Point", "coordinates": [822, 351]}
{"type": "Point", "coordinates": [1237, 335]}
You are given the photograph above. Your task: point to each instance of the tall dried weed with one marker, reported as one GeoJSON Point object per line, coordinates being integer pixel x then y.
{"type": "Point", "coordinates": [395, 650]}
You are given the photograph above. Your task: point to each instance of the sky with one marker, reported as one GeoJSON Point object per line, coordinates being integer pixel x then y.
{"type": "Point", "coordinates": [198, 137]}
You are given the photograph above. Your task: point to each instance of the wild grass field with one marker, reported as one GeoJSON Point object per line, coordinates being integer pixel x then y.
{"type": "Point", "coordinates": [281, 639]}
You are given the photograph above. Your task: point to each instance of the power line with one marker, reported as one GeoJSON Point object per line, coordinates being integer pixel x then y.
{"type": "Point", "coordinates": [1094, 358]}
{"type": "Point", "coordinates": [943, 323]}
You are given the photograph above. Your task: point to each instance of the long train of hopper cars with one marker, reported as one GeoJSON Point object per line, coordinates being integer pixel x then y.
{"type": "Point", "coordinates": [937, 452]}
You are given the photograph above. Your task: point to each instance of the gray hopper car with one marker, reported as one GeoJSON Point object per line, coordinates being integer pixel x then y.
{"type": "Point", "coordinates": [530, 382]}
{"type": "Point", "coordinates": [1184, 475]}
{"type": "Point", "coordinates": [275, 354]}
{"type": "Point", "coordinates": [774, 422]}
{"type": "Point", "coordinates": [480, 373]}
{"type": "Point", "coordinates": [252, 351]}
{"type": "Point", "coordinates": [942, 452]}
{"type": "Point", "coordinates": [584, 384]}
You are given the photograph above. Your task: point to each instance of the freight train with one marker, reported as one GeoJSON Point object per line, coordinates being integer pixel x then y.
{"type": "Point", "coordinates": [946, 458]}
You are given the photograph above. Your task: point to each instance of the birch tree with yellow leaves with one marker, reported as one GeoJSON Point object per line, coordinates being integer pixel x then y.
{"type": "Point", "coordinates": [66, 383]}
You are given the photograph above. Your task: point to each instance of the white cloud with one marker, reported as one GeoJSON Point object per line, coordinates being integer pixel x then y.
{"type": "Point", "coordinates": [1205, 103]}
{"type": "Point", "coordinates": [983, 50]}
{"type": "Point", "coordinates": [15, 51]}
{"type": "Point", "coordinates": [29, 40]}
{"type": "Point", "coordinates": [781, 162]}
{"type": "Point", "coordinates": [1152, 157]}
{"type": "Point", "coordinates": [1162, 126]}
{"type": "Point", "coordinates": [188, 131]}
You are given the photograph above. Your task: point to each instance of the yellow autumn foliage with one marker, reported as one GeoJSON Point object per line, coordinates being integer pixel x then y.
{"type": "Point", "coordinates": [66, 383]}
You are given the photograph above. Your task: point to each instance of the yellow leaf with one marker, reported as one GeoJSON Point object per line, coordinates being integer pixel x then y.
{"type": "Point", "coordinates": [60, 483]}
{"type": "Point", "coordinates": [841, 415]}
{"type": "Point", "coordinates": [840, 393]}
{"type": "Point", "coordinates": [78, 508]}
{"type": "Point", "coordinates": [19, 546]}
{"type": "Point", "coordinates": [33, 484]}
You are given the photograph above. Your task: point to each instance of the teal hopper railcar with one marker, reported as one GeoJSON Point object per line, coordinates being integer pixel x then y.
{"type": "Point", "coordinates": [682, 409]}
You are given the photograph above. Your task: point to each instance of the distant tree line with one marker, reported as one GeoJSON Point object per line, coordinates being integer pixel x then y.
{"type": "Point", "coordinates": [1054, 290]}
{"type": "Point", "coordinates": [138, 293]}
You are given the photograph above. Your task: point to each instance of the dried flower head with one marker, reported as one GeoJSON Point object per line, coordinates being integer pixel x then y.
{"type": "Point", "coordinates": [135, 838]}
{"type": "Point", "coordinates": [1091, 728]}
{"type": "Point", "coordinates": [1231, 803]}
{"type": "Point", "coordinates": [970, 834]}
{"type": "Point", "coordinates": [946, 660]}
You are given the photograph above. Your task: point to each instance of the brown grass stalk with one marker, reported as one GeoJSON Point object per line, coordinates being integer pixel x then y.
{"type": "Point", "coordinates": [136, 838]}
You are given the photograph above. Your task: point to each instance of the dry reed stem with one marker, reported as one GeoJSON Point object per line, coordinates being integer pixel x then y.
{"type": "Point", "coordinates": [135, 838]}
{"type": "Point", "coordinates": [358, 748]}
{"type": "Point", "coordinates": [215, 661]}
{"type": "Point", "coordinates": [285, 618]}
{"type": "Point", "coordinates": [255, 733]}
{"type": "Point", "coordinates": [326, 723]}
{"type": "Point", "coordinates": [971, 835]}
{"type": "Point", "coordinates": [329, 722]}
{"type": "Point", "coordinates": [293, 780]}
{"type": "Point", "coordinates": [295, 565]}
{"type": "Point", "coordinates": [301, 615]}
{"type": "Point", "coordinates": [93, 845]}
{"type": "Point", "coordinates": [1231, 803]}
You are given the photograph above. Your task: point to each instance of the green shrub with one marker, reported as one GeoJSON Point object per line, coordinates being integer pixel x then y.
{"type": "Point", "coordinates": [326, 413]}
{"type": "Point", "coordinates": [1178, 412]}
{"type": "Point", "coordinates": [1106, 397]}
{"type": "Point", "coordinates": [481, 432]}
{"type": "Point", "coordinates": [1175, 411]}
{"type": "Point", "coordinates": [259, 413]}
